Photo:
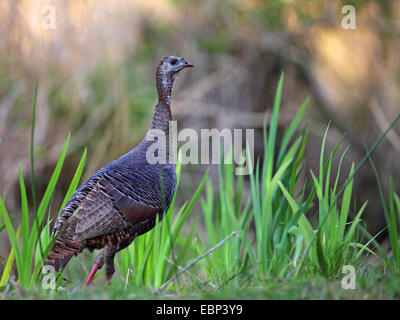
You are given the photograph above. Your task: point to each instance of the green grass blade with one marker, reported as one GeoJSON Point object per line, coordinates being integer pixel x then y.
{"type": "Point", "coordinates": [320, 254]}
{"type": "Point", "coordinates": [290, 131]}
{"type": "Point", "coordinates": [36, 228]}
{"type": "Point", "coordinates": [49, 191]}
{"type": "Point", "coordinates": [273, 129]}
{"type": "Point", "coordinates": [344, 212]}
{"type": "Point", "coordinates": [75, 180]}
{"type": "Point", "coordinates": [7, 269]}
{"type": "Point", "coordinates": [12, 236]}
{"type": "Point", "coordinates": [25, 214]}
{"type": "Point", "coordinates": [304, 224]}
{"type": "Point", "coordinates": [32, 145]}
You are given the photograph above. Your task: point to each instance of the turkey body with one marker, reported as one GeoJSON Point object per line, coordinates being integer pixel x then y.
{"type": "Point", "coordinates": [115, 205]}
{"type": "Point", "coordinates": [123, 199]}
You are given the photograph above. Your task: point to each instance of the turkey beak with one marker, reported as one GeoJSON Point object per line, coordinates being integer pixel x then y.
{"type": "Point", "coordinates": [186, 64]}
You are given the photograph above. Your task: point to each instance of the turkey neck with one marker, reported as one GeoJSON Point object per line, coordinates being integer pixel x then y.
{"type": "Point", "coordinates": [162, 113]}
{"type": "Point", "coordinates": [162, 116]}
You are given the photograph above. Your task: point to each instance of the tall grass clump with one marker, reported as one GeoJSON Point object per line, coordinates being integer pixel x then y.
{"type": "Point", "coordinates": [281, 224]}
{"type": "Point", "coordinates": [334, 240]}
{"type": "Point", "coordinates": [391, 211]}
{"type": "Point", "coordinates": [225, 210]}
{"type": "Point", "coordinates": [31, 241]}
{"type": "Point", "coordinates": [262, 219]}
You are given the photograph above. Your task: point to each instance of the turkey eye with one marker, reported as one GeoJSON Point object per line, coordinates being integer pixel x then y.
{"type": "Point", "coordinates": [173, 62]}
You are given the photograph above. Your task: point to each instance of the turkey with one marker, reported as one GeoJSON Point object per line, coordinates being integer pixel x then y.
{"type": "Point", "coordinates": [121, 200]}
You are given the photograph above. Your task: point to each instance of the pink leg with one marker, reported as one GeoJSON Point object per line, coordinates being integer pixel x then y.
{"type": "Point", "coordinates": [96, 266]}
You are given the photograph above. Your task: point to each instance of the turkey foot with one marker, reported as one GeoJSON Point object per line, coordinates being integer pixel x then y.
{"type": "Point", "coordinates": [98, 264]}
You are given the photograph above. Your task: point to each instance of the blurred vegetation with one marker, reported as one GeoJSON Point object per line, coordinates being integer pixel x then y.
{"type": "Point", "coordinates": [96, 80]}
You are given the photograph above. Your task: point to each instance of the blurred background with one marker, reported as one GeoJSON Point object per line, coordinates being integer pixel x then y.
{"type": "Point", "coordinates": [95, 73]}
